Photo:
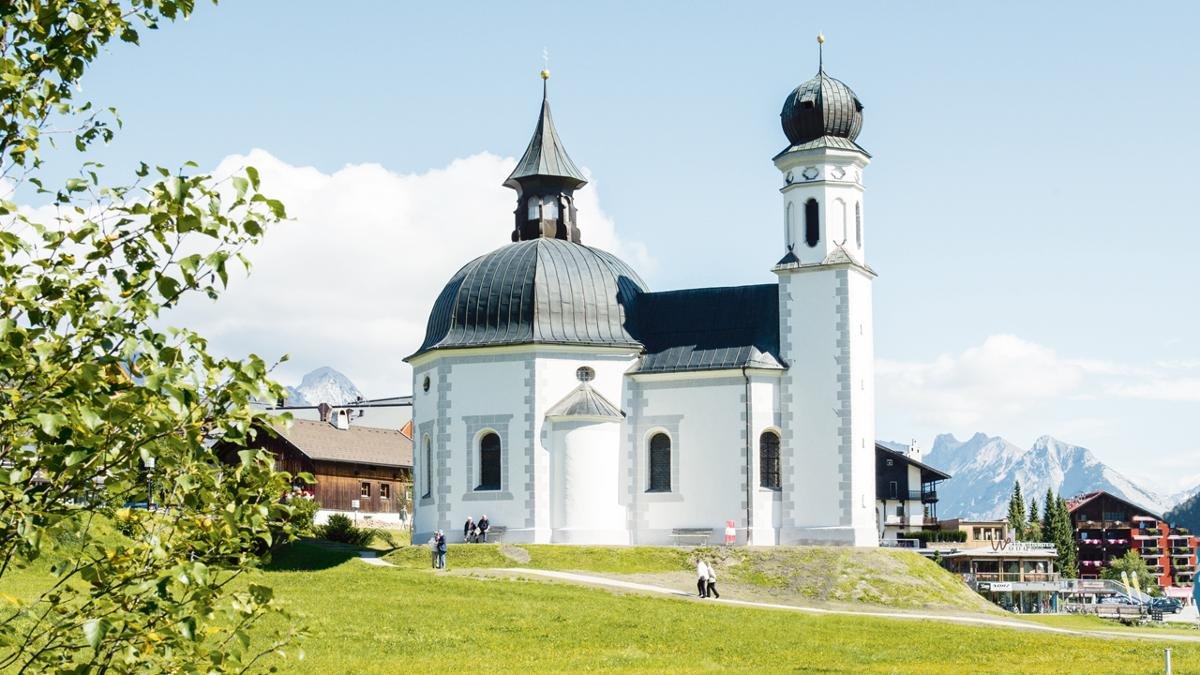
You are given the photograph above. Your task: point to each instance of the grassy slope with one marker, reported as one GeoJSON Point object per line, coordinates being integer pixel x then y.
{"type": "Point", "coordinates": [370, 619]}
{"type": "Point", "coordinates": [820, 575]}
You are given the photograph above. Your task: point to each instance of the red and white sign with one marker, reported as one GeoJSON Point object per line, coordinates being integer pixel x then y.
{"type": "Point", "coordinates": [730, 533]}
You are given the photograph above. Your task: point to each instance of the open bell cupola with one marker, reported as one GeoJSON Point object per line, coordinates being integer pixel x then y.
{"type": "Point", "coordinates": [545, 179]}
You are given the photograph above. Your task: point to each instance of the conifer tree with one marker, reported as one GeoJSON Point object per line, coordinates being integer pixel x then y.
{"type": "Point", "coordinates": [1048, 505]}
{"type": "Point", "coordinates": [1033, 530]}
{"type": "Point", "coordinates": [1063, 536]}
{"type": "Point", "coordinates": [1016, 513]}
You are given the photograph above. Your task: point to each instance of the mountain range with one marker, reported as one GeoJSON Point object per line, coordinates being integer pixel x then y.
{"type": "Point", "coordinates": [1187, 513]}
{"type": "Point", "coordinates": [323, 385]}
{"type": "Point", "coordinates": [985, 467]}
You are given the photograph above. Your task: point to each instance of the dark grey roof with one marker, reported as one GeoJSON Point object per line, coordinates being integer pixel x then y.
{"type": "Point", "coordinates": [821, 107]}
{"type": "Point", "coordinates": [709, 328]}
{"type": "Point", "coordinates": [832, 142]}
{"type": "Point", "coordinates": [546, 155]}
{"type": "Point", "coordinates": [543, 290]}
{"type": "Point", "coordinates": [928, 473]}
{"type": "Point", "coordinates": [585, 402]}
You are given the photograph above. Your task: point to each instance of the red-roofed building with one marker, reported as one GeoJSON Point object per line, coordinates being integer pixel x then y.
{"type": "Point", "coordinates": [1106, 526]}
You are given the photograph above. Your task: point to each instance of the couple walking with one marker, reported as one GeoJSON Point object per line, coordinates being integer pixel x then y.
{"type": "Point", "coordinates": [437, 550]}
{"type": "Point", "coordinates": [706, 580]}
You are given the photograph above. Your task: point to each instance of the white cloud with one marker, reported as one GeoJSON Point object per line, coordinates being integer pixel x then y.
{"type": "Point", "coordinates": [1002, 377]}
{"type": "Point", "coordinates": [348, 281]}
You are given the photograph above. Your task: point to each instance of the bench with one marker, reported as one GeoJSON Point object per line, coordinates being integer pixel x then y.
{"type": "Point", "coordinates": [698, 535]}
{"type": "Point", "coordinates": [495, 534]}
{"type": "Point", "coordinates": [1122, 613]}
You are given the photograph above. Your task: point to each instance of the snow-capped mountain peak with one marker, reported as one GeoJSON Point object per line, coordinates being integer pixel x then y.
{"type": "Point", "coordinates": [323, 385]}
{"type": "Point", "coordinates": [985, 468]}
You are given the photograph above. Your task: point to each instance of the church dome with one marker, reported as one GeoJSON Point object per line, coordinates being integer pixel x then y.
{"type": "Point", "coordinates": [544, 290]}
{"type": "Point", "coordinates": [821, 107]}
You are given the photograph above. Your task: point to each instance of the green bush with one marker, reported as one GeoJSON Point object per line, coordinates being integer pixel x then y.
{"type": "Point", "coordinates": [304, 509]}
{"type": "Point", "coordinates": [341, 529]}
{"type": "Point", "coordinates": [926, 536]}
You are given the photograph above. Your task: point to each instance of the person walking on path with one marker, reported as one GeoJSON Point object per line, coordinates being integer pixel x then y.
{"type": "Point", "coordinates": [468, 529]}
{"type": "Point", "coordinates": [702, 578]}
{"type": "Point", "coordinates": [441, 550]}
{"type": "Point", "coordinates": [712, 582]}
{"type": "Point", "coordinates": [483, 526]}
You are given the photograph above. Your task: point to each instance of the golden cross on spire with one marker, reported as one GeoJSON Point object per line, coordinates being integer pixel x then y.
{"type": "Point", "coordinates": [545, 63]}
{"type": "Point", "coordinates": [820, 52]}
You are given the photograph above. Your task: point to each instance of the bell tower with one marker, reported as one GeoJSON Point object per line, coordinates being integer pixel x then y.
{"type": "Point", "coordinates": [826, 328]}
{"type": "Point", "coordinates": [545, 179]}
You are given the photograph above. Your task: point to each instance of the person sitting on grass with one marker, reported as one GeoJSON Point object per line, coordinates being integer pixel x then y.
{"type": "Point", "coordinates": [483, 526]}
{"type": "Point", "coordinates": [469, 530]}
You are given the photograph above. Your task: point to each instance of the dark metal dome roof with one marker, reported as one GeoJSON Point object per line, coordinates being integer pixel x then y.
{"type": "Point", "coordinates": [821, 107]}
{"type": "Point", "coordinates": [537, 291]}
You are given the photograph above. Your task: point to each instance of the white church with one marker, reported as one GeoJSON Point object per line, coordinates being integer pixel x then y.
{"type": "Point", "coordinates": [559, 395]}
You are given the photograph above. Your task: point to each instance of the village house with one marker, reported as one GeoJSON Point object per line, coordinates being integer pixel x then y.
{"type": "Point", "coordinates": [358, 469]}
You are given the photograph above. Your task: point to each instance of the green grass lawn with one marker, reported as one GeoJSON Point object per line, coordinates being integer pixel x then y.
{"type": "Point", "coordinates": [1089, 622]}
{"type": "Point", "coordinates": [366, 619]}
{"type": "Point", "coordinates": [372, 619]}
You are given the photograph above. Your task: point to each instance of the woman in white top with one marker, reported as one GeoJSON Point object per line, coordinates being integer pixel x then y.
{"type": "Point", "coordinates": [702, 573]}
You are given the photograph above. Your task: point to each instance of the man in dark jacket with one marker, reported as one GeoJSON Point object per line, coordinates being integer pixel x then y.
{"type": "Point", "coordinates": [483, 526]}
{"type": "Point", "coordinates": [441, 550]}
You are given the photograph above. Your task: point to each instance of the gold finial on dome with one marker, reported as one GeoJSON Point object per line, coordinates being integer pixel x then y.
{"type": "Point", "coordinates": [545, 73]}
{"type": "Point", "coordinates": [820, 38]}
{"type": "Point", "coordinates": [545, 63]}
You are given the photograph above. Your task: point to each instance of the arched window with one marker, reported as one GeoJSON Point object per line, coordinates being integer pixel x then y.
{"type": "Point", "coordinates": [428, 460]}
{"type": "Point", "coordinates": [535, 208]}
{"type": "Point", "coordinates": [812, 222]}
{"type": "Point", "coordinates": [858, 223]}
{"type": "Point", "coordinates": [789, 225]}
{"type": "Point", "coordinates": [768, 460]}
{"type": "Point", "coordinates": [489, 462]}
{"type": "Point", "coordinates": [840, 236]}
{"type": "Point", "coordinates": [660, 463]}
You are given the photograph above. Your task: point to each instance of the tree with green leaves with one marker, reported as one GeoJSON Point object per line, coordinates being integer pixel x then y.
{"type": "Point", "coordinates": [108, 488]}
{"type": "Point", "coordinates": [1016, 513]}
{"type": "Point", "coordinates": [1130, 564]}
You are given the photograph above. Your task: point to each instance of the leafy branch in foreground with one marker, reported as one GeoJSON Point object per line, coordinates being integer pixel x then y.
{"type": "Point", "coordinates": [108, 486]}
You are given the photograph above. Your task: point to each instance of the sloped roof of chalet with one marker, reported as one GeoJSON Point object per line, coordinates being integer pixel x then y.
{"type": "Point", "coordinates": [585, 402]}
{"type": "Point", "coordinates": [356, 445]}
{"type": "Point", "coordinates": [1074, 504]}
{"type": "Point", "coordinates": [709, 329]}
{"type": "Point", "coordinates": [925, 468]}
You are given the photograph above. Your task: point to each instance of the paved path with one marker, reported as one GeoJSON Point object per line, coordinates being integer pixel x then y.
{"type": "Point", "coordinates": [370, 558]}
{"type": "Point", "coordinates": [976, 620]}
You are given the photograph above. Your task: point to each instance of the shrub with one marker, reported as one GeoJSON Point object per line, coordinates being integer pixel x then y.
{"type": "Point", "coordinates": [304, 509]}
{"type": "Point", "coordinates": [926, 536]}
{"type": "Point", "coordinates": [341, 529]}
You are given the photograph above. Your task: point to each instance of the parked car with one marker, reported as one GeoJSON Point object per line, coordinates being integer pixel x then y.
{"type": "Point", "coordinates": [1118, 600]}
{"type": "Point", "coordinates": [1168, 605]}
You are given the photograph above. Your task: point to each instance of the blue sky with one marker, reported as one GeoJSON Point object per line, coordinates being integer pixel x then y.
{"type": "Point", "coordinates": [1031, 206]}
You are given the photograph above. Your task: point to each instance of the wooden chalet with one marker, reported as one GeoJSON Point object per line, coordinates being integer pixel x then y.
{"type": "Point", "coordinates": [351, 463]}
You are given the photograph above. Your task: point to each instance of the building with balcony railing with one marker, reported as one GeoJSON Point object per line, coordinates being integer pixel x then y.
{"type": "Point", "coordinates": [1106, 526]}
{"type": "Point", "coordinates": [905, 492]}
{"type": "Point", "coordinates": [1018, 576]}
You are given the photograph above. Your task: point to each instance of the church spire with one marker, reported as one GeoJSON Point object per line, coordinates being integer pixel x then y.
{"type": "Point", "coordinates": [545, 179]}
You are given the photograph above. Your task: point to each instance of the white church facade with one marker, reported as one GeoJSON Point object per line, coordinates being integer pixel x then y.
{"type": "Point", "coordinates": [559, 395]}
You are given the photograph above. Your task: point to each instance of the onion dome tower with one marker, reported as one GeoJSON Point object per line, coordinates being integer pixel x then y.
{"type": "Point", "coordinates": [826, 333]}
{"type": "Point", "coordinates": [545, 180]}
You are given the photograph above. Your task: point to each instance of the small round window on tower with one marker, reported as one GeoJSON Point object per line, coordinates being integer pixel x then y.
{"type": "Point", "coordinates": [585, 374]}
{"type": "Point", "coordinates": [425, 384]}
